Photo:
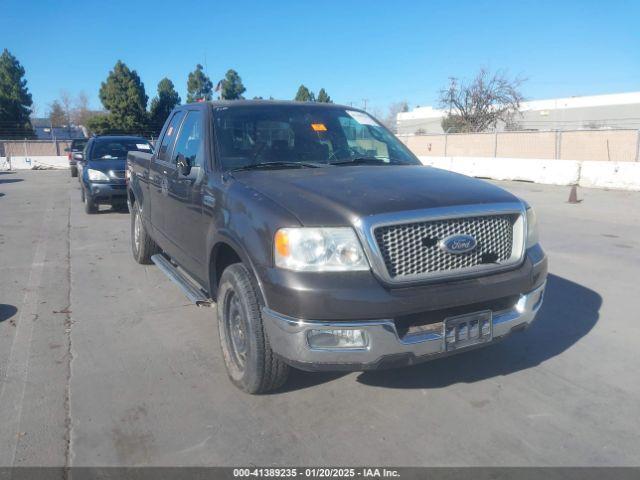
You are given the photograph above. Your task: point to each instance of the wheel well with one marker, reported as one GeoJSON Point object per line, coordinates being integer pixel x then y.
{"type": "Point", "coordinates": [223, 256]}
{"type": "Point", "coordinates": [132, 197]}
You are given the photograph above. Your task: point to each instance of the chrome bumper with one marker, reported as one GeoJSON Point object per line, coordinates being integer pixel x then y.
{"type": "Point", "coordinates": [288, 338]}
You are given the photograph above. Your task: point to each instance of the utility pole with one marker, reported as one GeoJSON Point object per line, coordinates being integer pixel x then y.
{"type": "Point", "coordinates": [364, 101]}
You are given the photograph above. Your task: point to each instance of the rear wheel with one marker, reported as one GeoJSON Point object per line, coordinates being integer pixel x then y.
{"type": "Point", "coordinates": [251, 364]}
{"type": "Point", "coordinates": [142, 245]}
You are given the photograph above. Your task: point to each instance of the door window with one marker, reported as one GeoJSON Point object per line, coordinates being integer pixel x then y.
{"type": "Point", "coordinates": [164, 152]}
{"type": "Point", "coordinates": [189, 142]}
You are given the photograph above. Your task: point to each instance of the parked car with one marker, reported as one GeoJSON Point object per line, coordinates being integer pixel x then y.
{"type": "Point", "coordinates": [103, 170]}
{"type": "Point", "coordinates": [75, 153]}
{"type": "Point", "coordinates": [324, 242]}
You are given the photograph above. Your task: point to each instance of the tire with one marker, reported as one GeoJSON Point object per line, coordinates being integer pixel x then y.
{"type": "Point", "coordinates": [251, 364]}
{"type": "Point", "coordinates": [90, 206]}
{"type": "Point", "coordinates": [74, 171]}
{"type": "Point", "coordinates": [142, 245]}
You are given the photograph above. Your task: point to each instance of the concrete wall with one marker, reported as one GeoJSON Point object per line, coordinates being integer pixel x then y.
{"type": "Point", "coordinates": [592, 145]}
{"type": "Point", "coordinates": [35, 162]}
{"type": "Point", "coordinates": [618, 175]}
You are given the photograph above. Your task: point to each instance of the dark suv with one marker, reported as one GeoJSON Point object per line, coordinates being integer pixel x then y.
{"type": "Point", "coordinates": [325, 243]}
{"type": "Point", "coordinates": [103, 173]}
{"type": "Point", "coordinates": [74, 154]}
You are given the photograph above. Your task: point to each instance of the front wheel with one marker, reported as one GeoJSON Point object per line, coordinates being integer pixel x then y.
{"type": "Point", "coordinates": [251, 364]}
{"type": "Point", "coordinates": [90, 205]}
{"type": "Point", "coordinates": [74, 171]}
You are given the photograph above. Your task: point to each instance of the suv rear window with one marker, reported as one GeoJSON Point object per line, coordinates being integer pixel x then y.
{"type": "Point", "coordinates": [118, 149]}
{"type": "Point", "coordinates": [78, 144]}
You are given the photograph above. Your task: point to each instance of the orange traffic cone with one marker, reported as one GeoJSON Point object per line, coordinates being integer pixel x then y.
{"type": "Point", "coordinates": [573, 195]}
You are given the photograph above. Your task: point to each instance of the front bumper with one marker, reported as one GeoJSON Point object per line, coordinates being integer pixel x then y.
{"type": "Point", "coordinates": [288, 338]}
{"type": "Point", "coordinates": [107, 192]}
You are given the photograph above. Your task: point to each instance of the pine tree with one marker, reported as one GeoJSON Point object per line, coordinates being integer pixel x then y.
{"type": "Point", "coordinates": [15, 99]}
{"type": "Point", "coordinates": [199, 86]}
{"type": "Point", "coordinates": [162, 105]}
{"type": "Point", "coordinates": [123, 95]}
{"type": "Point", "coordinates": [323, 97]}
{"type": "Point", "coordinates": [57, 115]}
{"type": "Point", "coordinates": [232, 87]}
{"type": "Point", "coordinates": [304, 95]}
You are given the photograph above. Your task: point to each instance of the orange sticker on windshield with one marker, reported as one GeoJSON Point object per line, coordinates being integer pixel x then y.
{"type": "Point", "coordinates": [318, 127]}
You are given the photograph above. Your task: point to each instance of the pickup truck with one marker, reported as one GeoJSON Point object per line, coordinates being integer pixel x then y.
{"type": "Point", "coordinates": [324, 243]}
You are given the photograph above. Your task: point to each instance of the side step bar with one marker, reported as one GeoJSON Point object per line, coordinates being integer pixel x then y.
{"type": "Point", "coordinates": [193, 293]}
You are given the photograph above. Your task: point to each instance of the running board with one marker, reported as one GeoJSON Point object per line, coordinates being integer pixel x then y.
{"type": "Point", "coordinates": [193, 293]}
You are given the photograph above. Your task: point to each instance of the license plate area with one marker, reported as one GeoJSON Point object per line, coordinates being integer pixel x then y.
{"type": "Point", "coordinates": [466, 330]}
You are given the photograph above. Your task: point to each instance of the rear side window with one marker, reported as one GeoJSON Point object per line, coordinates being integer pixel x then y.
{"type": "Point", "coordinates": [189, 142]}
{"type": "Point", "coordinates": [164, 152]}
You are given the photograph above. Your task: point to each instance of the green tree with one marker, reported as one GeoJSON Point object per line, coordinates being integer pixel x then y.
{"type": "Point", "coordinates": [124, 97]}
{"type": "Point", "coordinates": [304, 95]}
{"type": "Point", "coordinates": [231, 87]}
{"type": "Point", "coordinates": [99, 123]}
{"type": "Point", "coordinates": [161, 105]}
{"type": "Point", "coordinates": [199, 86]}
{"type": "Point", "coordinates": [323, 97]}
{"type": "Point", "coordinates": [15, 99]}
{"type": "Point", "coordinates": [452, 123]}
{"type": "Point", "coordinates": [57, 115]}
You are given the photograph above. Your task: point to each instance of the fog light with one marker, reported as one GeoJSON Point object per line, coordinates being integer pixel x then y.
{"type": "Point", "coordinates": [521, 306]}
{"type": "Point", "coordinates": [337, 338]}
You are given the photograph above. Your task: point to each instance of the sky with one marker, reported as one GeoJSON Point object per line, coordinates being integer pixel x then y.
{"type": "Point", "coordinates": [378, 52]}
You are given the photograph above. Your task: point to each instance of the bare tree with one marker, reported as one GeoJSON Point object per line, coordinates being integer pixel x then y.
{"type": "Point", "coordinates": [81, 112]}
{"type": "Point", "coordinates": [66, 102]}
{"type": "Point", "coordinates": [391, 120]}
{"type": "Point", "coordinates": [479, 105]}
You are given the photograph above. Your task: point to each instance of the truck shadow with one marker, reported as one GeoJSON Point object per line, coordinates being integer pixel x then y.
{"type": "Point", "coordinates": [10, 180]}
{"type": "Point", "coordinates": [7, 311]}
{"type": "Point", "coordinates": [568, 313]}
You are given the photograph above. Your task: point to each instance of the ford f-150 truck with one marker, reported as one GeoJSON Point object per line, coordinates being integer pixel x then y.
{"type": "Point", "coordinates": [323, 242]}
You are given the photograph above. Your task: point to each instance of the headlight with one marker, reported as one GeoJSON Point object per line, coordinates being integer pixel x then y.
{"type": "Point", "coordinates": [532, 228]}
{"type": "Point", "coordinates": [97, 175]}
{"type": "Point", "coordinates": [319, 250]}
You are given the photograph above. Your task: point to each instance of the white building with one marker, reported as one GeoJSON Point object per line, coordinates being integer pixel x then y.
{"type": "Point", "coordinates": [613, 111]}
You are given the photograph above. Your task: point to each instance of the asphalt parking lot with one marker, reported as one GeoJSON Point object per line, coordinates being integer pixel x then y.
{"type": "Point", "coordinates": [104, 362]}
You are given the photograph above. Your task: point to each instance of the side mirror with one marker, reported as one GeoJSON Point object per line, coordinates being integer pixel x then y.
{"type": "Point", "coordinates": [78, 156]}
{"type": "Point", "coordinates": [183, 164]}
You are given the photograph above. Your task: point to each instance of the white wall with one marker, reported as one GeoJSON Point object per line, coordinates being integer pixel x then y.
{"type": "Point", "coordinates": [618, 175]}
{"type": "Point", "coordinates": [28, 163]}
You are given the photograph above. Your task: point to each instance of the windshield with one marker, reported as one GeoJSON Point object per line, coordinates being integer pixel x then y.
{"type": "Point", "coordinates": [305, 134]}
{"type": "Point", "coordinates": [77, 145]}
{"type": "Point", "coordinates": [118, 149]}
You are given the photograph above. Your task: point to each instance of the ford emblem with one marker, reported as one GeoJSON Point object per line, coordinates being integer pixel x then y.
{"type": "Point", "coordinates": [458, 244]}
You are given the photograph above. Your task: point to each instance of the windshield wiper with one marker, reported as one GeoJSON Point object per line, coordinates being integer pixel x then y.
{"type": "Point", "coordinates": [256, 166]}
{"type": "Point", "coordinates": [368, 161]}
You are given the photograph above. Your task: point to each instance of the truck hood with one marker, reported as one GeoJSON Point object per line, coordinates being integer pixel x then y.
{"type": "Point", "coordinates": [334, 196]}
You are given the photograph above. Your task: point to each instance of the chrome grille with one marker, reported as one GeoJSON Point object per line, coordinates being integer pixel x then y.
{"type": "Point", "coordinates": [412, 249]}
